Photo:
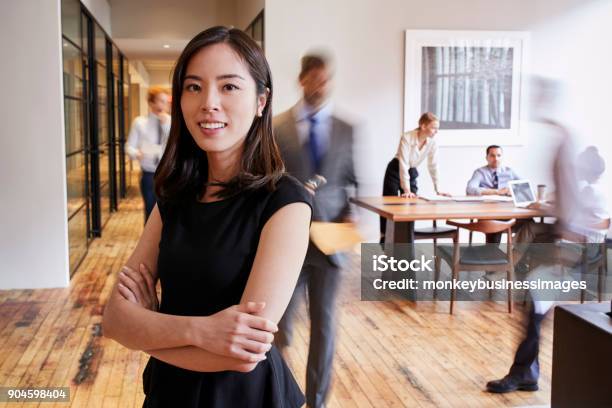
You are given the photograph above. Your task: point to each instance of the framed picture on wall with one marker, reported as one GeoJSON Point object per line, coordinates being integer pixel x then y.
{"type": "Point", "coordinates": [472, 80]}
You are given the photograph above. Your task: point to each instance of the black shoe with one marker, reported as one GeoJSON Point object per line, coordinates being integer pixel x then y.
{"type": "Point", "coordinates": [509, 384]}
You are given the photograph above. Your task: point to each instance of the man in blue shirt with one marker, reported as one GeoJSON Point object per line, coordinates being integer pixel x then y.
{"type": "Point", "coordinates": [493, 178]}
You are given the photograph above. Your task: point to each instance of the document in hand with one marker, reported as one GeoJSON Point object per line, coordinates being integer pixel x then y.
{"type": "Point", "coordinates": [333, 237]}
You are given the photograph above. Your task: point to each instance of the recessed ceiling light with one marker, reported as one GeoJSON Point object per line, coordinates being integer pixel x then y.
{"type": "Point", "coordinates": [166, 45]}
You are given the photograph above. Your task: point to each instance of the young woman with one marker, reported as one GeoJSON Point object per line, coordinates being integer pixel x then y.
{"type": "Point", "coordinates": [227, 240]}
{"type": "Point", "coordinates": [414, 147]}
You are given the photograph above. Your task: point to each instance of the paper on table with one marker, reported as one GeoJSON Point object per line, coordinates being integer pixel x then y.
{"type": "Point", "coordinates": [483, 198]}
{"type": "Point", "coordinates": [434, 197]}
{"type": "Point", "coordinates": [497, 198]}
{"type": "Point", "coordinates": [333, 237]}
{"type": "Point", "coordinates": [468, 198]}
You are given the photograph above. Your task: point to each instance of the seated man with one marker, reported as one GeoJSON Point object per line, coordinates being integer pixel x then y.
{"type": "Point", "coordinates": [493, 178]}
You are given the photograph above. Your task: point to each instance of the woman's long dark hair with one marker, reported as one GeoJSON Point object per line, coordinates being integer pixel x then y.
{"type": "Point", "coordinates": [183, 169]}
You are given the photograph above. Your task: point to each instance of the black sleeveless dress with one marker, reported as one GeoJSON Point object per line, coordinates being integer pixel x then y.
{"type": "Point", "coordinates": [205, 257]}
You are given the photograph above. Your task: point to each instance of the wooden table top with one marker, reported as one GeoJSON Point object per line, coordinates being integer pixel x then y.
{"type": "Point", "coordinates": [401, 209]}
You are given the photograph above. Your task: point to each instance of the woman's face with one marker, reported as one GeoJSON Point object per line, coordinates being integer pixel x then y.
{"type": "Point", "coordinates": [219, 99]}
{"type": "Point", "coordinates": [431, 128]}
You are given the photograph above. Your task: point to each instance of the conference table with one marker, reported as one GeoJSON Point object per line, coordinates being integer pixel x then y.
{"type": "Point", "coordinates": [402, 212]}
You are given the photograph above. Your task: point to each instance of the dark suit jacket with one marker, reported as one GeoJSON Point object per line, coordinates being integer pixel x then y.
{"type": "Point", "coordinates": [331, 200]}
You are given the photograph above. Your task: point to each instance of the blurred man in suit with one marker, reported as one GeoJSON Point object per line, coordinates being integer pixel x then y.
{"type": "Point", "coordinates": [315, 142]}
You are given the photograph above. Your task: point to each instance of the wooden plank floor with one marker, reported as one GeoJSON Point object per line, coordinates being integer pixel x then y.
{"type": "Point", "coordinates": [389, 354]}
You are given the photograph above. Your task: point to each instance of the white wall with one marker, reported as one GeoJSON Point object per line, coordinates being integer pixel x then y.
{"type": "Point", "coordinates": [140, 75]}
{"type": "Point", "coordinates": [101, 11]}
{"type": "Point", "coordinates": [574, 47]}
{"type": "Point", "coordinates": [569, 41]}
{"type": "Point", "coordinates": [33, 227]}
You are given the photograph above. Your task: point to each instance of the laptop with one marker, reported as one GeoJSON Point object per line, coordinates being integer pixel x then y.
{"type": "Point", "coordinates": [522, 193]}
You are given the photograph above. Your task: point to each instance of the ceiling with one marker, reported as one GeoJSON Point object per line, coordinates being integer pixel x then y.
{"type": "Point", "coordinates": [141, 28]}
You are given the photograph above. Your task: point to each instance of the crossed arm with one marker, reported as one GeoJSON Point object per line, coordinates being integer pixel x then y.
{"type": "Point", "coordinates": [234, 339]}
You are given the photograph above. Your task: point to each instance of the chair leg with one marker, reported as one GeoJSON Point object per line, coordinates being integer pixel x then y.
{"type": "Point", "coordinates": [528, 263]}
{"type": "Point", "coordinates": [510, 279]}
{"type": "Point", "coordinates": [600, 270]}
{"type": "Point", "coordinates": [604, 267]}
{"type": "Point", "coordinates": [582, 291]}
{"type": "Point", "coordinates": [436, 274]}
{"type": "Point", "coordinates": [452, 299]}
{"type": "Point", "coordinates": [471, 232]}
{"type": "Point", "coordinates": [435, 251]}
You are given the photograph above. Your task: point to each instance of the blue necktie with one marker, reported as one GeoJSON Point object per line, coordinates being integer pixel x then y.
{"type": "Point", "coordinates": [160, 131]}
{"type": "Point", "coordinates": [159, 137]}
{"type": "Point", "coordinates": [314, 144]}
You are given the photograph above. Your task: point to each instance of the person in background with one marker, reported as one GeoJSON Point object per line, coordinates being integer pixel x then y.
{"type": "Point", "coordinates": [493, 178]}
{"type": "Point", "coordinates": [415, 146]}
{"type": "Point", "coordinates": [578, 209]}
{"type": "Point", "coordinates": [146, 142]}
{"type": "Point", "coordinates": [590, 219]}
{"type": "Point", "coordinates": [314, 142]}
{"type": "Point", "coordinates": [226, 240]}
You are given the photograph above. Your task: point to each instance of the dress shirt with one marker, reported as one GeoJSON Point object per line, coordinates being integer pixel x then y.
{"type": "Point", "coordinates": [409, 155]}
{"type": "Point", "coordinates": [144, 137]}
{"type": "Point", "coordinates": [302, 112]}
{"type": "Point", "coordinates": [484, 177]}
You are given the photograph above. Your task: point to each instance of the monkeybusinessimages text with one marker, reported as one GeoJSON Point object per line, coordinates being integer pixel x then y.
{"type": "Point", "coordinates": [384, 263]}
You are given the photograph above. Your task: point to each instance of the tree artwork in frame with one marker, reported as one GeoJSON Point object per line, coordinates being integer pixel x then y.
{"type": "Point", "coordinates": [472, 80]}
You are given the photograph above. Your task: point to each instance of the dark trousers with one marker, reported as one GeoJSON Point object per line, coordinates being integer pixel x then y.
{"type": "Point", "coordinates": [147, 189]}
{"type": "Point", "coordinates": [320, 278]}
{"type": "Point", "coordinates": [391, 186]}
{"type": "Point", "coordinates": [526, 366]}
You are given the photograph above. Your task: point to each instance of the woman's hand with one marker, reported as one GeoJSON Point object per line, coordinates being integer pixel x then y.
{"type": "Point", "coordinates": [235, 332]}
{"type": "Point", "coordinates": [138, 287]}
{"type": "Point", "coordinates": [443, 194]}
{"type": "Point", "coordinates": [409, 194]}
